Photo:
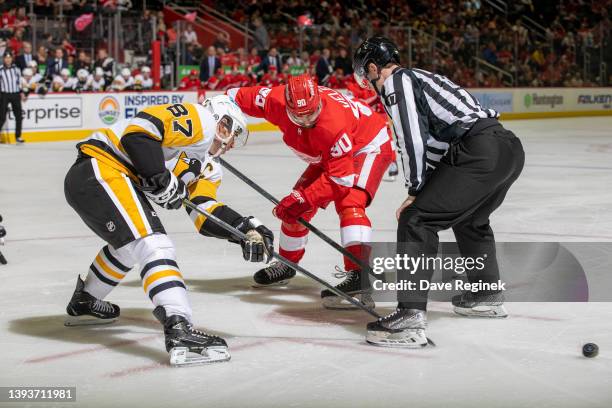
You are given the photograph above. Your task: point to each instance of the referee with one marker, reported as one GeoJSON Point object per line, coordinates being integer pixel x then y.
{"type": "Point", "coordinates": [10, 93]}
{"type": "Point", "coordinates": [459, 163]}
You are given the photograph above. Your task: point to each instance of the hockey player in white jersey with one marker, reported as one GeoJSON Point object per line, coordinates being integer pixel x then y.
{"type": "Point", "coordinates": [164, 154]}
{"type": "Point", "coordinates": [57, 84]}
{"type": "Point", "coordinates": [118, 84]}
{"type": "Point", "coordinates": [30, 81]}
{"type": "Point", "coordinates": [97, 80]}
{"type": "Point", "coordinates": [83, 80]}
{"type": "Point", "coordinates": [147, 81]}
{"type": "Point", "coordinates": [126, 76]}
{"type": "Point", "coordinates": [37, 79]}
{"type": "Point", "coordinates": [70, 82]}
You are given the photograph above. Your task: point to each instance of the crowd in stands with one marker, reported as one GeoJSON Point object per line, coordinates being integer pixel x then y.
{"type": "Point", "coordinates": [57, 65]}
{"type": "Point", "coordinates": [463, 30]}
{"type": "Point", "coordinates": [454, 38]}
{"type": "Point", "coordinates": [42, 73]}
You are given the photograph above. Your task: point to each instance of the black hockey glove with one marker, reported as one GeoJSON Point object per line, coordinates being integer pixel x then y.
{"type": "Point", "coordinates": [259, 245]}
{"type": "Point", "coordinates": [165, 190]}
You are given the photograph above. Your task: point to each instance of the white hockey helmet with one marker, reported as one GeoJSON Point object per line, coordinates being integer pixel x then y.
{"type": "Point", "coordinates": [232, 128]}
{"type": "Point", "coordinates": [99, 72]}
{"type": "Point", "coordinates": [65, 72]}
{"type": "Point", "coordinates": [82, 74]}
{"type": "Point", "coordinates": [126, 73]}
{"type": "Point", "coordinates": [57, 84]}
{"type": "Point", "coordinates": [33, 64]}
{"type": "Point", "coordinates": [146, 70]}
{"type": "Point", "coordinates": [27, 73]}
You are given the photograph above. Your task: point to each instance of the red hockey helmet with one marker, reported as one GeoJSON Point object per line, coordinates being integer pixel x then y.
{"type": "Point", "coordinates": [303, 100]}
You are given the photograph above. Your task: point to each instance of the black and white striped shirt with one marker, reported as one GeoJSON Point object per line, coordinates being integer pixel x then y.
{"type": "Point", "coordinates": [10, 79]}
{"type": "Point", "coordinates": [429, 112]}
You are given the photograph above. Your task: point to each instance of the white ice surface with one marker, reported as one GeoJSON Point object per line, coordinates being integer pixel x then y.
{"type": "Point", "coordinates": [286, 350]}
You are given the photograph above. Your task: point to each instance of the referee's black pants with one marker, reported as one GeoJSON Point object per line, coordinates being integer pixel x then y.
{"type": "Point", "coordinates": [15, 100]}
{"type": "Point", "coordinates": [469, 183]}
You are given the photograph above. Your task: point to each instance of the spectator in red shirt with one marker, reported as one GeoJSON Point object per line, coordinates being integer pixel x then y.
{"type": "Point", "coordinates": [214, 82]}
{"type": "Point", "coordinates": [8, 19]}
{"type": "Point", "coordinates": [16, 42]}
{"type": "Point", "coordinates": [69, 49]}
{"type": "Point", "coordinates": [254, 59]}
{"type": "Point", "coordinates": [21, 19]}
{"type": "Point", "coordinates": [191, 82]}
{"type": "Point", "coordinates": [228, 60]}
{"type": "Point", "coordinates": [337, 80]}
{"type": "Point", "coordinates": [272, 77]}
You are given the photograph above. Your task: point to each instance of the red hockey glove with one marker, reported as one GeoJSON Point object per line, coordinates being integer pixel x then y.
{"type": "Point", "coordinates": [292, 207]}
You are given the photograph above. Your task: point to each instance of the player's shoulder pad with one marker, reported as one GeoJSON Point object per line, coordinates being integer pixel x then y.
{"type": "Point", "coordinates": [277, 94]}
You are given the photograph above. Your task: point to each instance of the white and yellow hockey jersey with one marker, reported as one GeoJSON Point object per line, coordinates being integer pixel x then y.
{"type": "Point", "coordinates": [185, 131]}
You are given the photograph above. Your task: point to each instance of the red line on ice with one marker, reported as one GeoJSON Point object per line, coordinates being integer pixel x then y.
{"type": "Point", "coordinates": [154, 366]}
{"type": "Point", "coordinates": [116, 344]}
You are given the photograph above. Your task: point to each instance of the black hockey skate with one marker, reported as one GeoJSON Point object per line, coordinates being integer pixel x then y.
{"type": "Point", "coordinates": [188, 346]}
{"type": "Point", "coordinates": [276, 274]}
{"type": "Point", "coordinates": [402, 328]}
{"type": "Point", "coordinates": [353, 287]}
{"type": "Point", "coordinates": [480, 305]}
{"type": "Point", "coordinates": [84, 309]}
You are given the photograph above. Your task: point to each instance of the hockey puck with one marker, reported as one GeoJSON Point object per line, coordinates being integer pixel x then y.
{"type": "Point", "coordinates": [590, 350]}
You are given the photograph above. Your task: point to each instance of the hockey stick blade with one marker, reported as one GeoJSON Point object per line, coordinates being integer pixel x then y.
{"type": "Point", "coordinates": [3, 260]}
{"type": "Point", "coordinates": [305, 223]}
{"type": "Point", "coordinates": [282, 259]}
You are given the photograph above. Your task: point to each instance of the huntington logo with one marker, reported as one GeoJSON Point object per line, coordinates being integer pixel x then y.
{"type": "Point", "coordinates": [108, 111]}
{"type": "Point", "coordinates": [542, 100]}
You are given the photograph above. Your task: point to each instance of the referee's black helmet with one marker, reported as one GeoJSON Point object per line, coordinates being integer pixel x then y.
{"type": "Point", "coordinates": [377, 50]}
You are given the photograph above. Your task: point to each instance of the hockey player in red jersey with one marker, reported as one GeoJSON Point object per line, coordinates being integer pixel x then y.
{"type": "Point", "coordinates": [370, 98]}
{"type": "Point", "coordinates": [348, 149]}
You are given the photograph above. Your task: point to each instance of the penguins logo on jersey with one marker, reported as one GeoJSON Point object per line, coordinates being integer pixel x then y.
{"type": "Point", "coordinates": [186, 166]}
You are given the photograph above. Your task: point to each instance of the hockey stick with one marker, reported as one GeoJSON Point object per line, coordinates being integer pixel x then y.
{"type": "Point", "coordinates": [2, 235]}
{"type": "Point", "coordinates": [282, 259]}
{"type": "Point", "coordinates": [305, 223]}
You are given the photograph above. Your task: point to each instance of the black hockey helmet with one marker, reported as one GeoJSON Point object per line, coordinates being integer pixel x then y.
{"type": "Point", "coordinates": [377, 50]}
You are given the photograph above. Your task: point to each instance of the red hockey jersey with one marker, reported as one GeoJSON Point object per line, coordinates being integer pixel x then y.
{"type": "Point", "coordinates": [344, 129]}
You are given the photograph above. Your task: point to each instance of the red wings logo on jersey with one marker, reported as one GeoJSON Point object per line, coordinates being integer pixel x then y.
{"type": "Point", "coordinates": [307, 158]}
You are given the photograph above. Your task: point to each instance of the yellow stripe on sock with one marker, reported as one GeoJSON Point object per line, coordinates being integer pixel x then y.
{"type": "Point", "coordinates": [108, 269]}
{"type": "Point", "coordinates": [159, 275]}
